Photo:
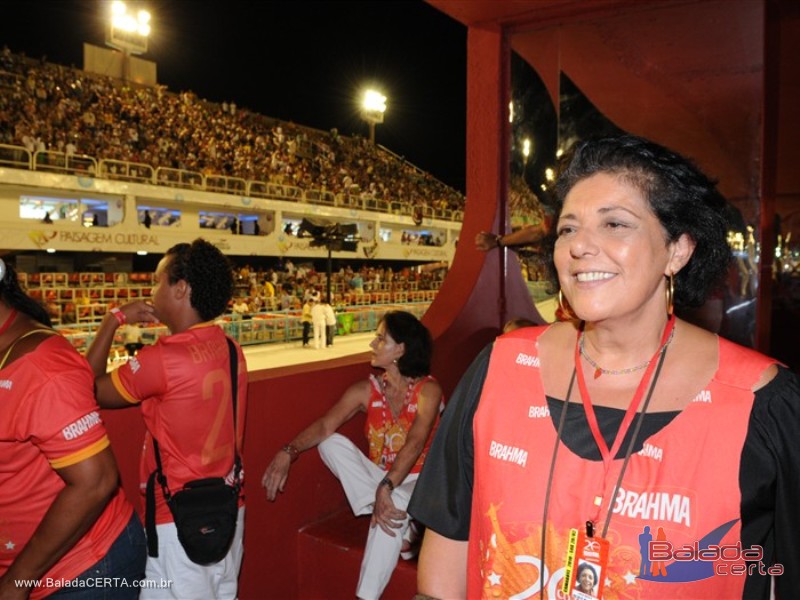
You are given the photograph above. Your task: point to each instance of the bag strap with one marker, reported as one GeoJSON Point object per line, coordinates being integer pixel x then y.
{"type": "Point", "coordinates": [158, 474]}
{"type": "Point", "coordinates": [237, 460]}
{"type": "Point", "coordinates": [150, 517]}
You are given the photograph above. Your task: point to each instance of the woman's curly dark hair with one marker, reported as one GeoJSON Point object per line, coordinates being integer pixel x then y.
{"type": "Point", "coordinates": [12, 294]}
{"type": "Point", "coordinates": [208, 271]}
{"type": "Point", "coordinates": [680, 195]}
{"type": "Point", "coordinates": [406, 329]}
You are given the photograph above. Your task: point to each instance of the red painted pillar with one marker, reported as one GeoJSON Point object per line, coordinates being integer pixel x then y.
{"type": "Point", "coordinates": [481, 291]}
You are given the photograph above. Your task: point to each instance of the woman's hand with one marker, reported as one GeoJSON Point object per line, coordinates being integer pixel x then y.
{"type": "Point", "coordinates": [385, 514]}
{"type": "Point", "coordinates": [277, 473]}
{"type": "Point", "coordinates": [485, 241]}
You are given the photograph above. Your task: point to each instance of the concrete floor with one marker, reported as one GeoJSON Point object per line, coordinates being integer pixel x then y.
{"type": "Point", "coordinates": [269, 356]}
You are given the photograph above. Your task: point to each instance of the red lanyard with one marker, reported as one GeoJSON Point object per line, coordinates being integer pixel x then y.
{"type": "Point", "coordinates": [606, 454]}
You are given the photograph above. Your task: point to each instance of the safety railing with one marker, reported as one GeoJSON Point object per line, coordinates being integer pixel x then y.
{"type": "Point", "coordinates": [260, 328]}
{"type": "Point", "coordinates": [225, 184]}
{"type": "Point", "coordinates": [123, 170]}
{"type": "Point", "coordinates": [179, 178]}
{"type": "Point", "coordinates": [61, 162]}
{"type": "Point", "coordinates": [320, 197]}
{"type": "Point", "coordinates": [15, 157]}
{"type": "Point", "coordinates": [19, 157]}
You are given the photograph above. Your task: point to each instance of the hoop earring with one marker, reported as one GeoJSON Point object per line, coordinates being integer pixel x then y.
{"type": "Point", "coordinates": [670, 292]}
{"type": "Point", "coordinates": [2, 269]}
{"type": "Point", "coordinates": [564, 306]}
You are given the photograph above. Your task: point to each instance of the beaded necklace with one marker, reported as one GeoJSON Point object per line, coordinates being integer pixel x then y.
{"type": "Point", "coordinates": [387, 402]}
{"type": "Point", "coordinates": [598, 370]}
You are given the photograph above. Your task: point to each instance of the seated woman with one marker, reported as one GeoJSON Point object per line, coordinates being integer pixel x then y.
{"type": "Point", "coordinates": [402, 407]}
{"type": "Point", "coordinates": [63, 515]}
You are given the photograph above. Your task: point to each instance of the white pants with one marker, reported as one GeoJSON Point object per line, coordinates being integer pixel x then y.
{"type": "Point", "coordinates": [188, 580]}
{"type": "Point", "coordinates": [319, 334]}
{"type": "Point", "coordinates": [360, 478]}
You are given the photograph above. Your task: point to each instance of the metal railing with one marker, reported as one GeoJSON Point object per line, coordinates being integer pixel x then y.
{"type": "Point", "coordinates": [262, 328]}
{"type": "Point", "coordinates": [19, 157]}
{"type": "Point", "coordinates": [123, 170]}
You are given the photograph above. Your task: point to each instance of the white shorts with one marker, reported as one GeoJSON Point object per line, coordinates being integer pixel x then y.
{"type": "Point", "coordinates": [186, 580]}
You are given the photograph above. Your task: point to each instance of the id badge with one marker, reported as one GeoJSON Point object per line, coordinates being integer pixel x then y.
{"type": "Point", "coordinates": [585, 569]}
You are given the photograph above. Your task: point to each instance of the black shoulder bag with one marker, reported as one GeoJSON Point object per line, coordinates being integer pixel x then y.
{"type": "Point", "coordinates": [205, 510]}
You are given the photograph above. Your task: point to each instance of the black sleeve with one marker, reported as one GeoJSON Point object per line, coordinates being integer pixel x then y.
{"type": "Point", "coordinates": [769, 479]}
{"type": "Point", "coordinates": [442, 498]}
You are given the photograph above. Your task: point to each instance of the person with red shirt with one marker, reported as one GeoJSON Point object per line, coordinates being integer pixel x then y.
{"type": "Point", "coordinates": [402, 408]}
{"type": "Point", "coordinates": [63, 516]}
{"type": "Point", "coordinates": [185, 373]}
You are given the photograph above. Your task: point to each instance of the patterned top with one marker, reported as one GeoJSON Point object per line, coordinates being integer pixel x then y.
{"type": "Point", "coordinates": [385, 433]}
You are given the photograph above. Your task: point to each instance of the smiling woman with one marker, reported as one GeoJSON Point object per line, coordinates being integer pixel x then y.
{"type": "Point", "coordinates": [641, 233]}
{"type": "Point", "coordinates": [612, 253]}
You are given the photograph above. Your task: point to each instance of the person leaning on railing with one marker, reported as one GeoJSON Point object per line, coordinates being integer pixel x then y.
{"type": "Point", "coordinates": [531, 234]}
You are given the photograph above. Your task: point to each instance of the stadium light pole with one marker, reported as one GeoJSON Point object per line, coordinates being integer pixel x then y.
{"type": "Point", "coordinates": [373, 106]}
{"type": "Point", "coordinates": [128, 33]}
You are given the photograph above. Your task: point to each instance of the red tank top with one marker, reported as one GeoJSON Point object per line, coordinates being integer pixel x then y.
{"type": "Point", "coordinates": [386, 434]}
{"type": "Point", "coordinates": [685, 479]}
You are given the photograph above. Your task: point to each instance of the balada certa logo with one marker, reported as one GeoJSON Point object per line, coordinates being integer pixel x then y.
{"type": "Point", "coordinates": [665, 562]}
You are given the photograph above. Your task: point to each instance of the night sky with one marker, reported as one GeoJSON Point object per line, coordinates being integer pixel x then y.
{"type": "Point", "coordinates": [299, 61]}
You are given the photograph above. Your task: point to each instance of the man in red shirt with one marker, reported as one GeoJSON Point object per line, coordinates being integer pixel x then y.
{"type": "Point", "coordinates": [183, 374]}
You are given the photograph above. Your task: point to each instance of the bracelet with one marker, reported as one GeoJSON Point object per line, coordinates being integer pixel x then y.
{"type": "Point", "coordinates": [498, 240]}
{"type": "Point", "coordinates": [388, 483]}
{"type": "Point", "coordinates": [119, 316]}
{"type": "Point", "coordinates": [291, 451]}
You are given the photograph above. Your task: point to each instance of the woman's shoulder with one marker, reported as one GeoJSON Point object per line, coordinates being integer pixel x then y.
{"type": "Point", "coordinates": [738, 365]}
{"type": "Point", "coordinates": [430, 386]}
{"type": "Point", "coordinates": [560, 332]}
{"type": "Point", "coordinates": [44, 350]}
{"type": "Point", "coordinates": [732, 363]}
{"type": "Point", "coordinates": [558, 337]}
{"type": "Point", "coordinates": [363, 390]}
{"type": "Point", "coordinates": [694, 343]}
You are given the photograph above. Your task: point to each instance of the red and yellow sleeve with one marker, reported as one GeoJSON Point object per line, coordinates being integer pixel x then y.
{"type": "Point", "coordinates": [61, 415]}
{"type": "Point", "coordinates": [143, 377]}
{"type": "Point", "coordinates": [81, 455]}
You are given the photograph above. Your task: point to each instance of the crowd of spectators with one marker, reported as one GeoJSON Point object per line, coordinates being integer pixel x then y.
{"type": "Point", "coordinates": [287, 286]}
{"type": "Point", "coordinates": [281, 287]}
{"type": "Point", "coordinates": [49, 107]}
{"type": "Point", "coordinates": [522, 200]}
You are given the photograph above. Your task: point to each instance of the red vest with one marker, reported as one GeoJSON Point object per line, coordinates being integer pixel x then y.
{"type": "Point", "coordinates": [685, 479]}
{"type": "Point", "coordinates": [387, 435]}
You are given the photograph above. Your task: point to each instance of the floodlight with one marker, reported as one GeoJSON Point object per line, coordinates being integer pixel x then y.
{"type": "Point", "coordinates": [373, 106]}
